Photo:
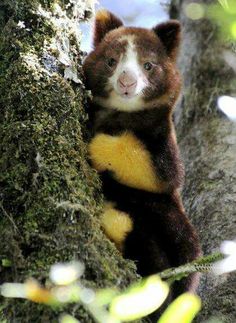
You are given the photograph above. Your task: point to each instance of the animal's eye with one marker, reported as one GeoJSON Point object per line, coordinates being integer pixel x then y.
{"type": "Point", "coordinates": [111, 62]}
{"type": "Point", "coordinates": [147, 66]}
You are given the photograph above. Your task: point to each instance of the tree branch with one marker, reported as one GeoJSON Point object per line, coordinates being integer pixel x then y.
{"type": "Point", "coordinates": [203, 265]}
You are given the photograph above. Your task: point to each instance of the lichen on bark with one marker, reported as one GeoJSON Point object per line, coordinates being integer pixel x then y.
{"type": "Point", "coordinates": [49, 196]}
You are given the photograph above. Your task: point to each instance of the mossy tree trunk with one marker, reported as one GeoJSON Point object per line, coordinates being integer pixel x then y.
{"type": "Point", "coordinates": [208, 143]}
{"type": "Point", "coordinates": [49, 195]}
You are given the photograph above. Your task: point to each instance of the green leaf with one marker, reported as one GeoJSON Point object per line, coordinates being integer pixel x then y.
{"type": "Point", "coordinates": [140, 300]}
{"type": "Point", "coordinates": [183, 309]}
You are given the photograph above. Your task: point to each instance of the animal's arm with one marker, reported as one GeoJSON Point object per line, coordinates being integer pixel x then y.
{"type": "Point", "coordinates": [166, 158]}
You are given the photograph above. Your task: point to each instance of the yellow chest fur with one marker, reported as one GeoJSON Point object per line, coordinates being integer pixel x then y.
{"type": "Point", "coordinates": [128, 159]}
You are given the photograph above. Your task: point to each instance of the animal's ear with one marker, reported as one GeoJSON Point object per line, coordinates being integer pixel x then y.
{"type": "Point", "coordinates": [105, 21]}
{"type": "Point", "coordinates": [170, 34]}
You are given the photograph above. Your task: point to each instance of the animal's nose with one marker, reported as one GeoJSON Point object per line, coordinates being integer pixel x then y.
{"type": "Point", "coordinates": [127, 81]}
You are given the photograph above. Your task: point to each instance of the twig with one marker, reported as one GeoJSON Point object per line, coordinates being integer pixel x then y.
{"type": "Point", "coordinates": [203, 264]}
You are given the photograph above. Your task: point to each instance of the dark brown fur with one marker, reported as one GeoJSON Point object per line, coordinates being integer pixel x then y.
{"type": "Point", "coordinates": [162, 235]}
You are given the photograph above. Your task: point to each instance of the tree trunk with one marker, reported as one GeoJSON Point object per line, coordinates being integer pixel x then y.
{"type": "Point", "coordinates": [208, 143]}
{"type": "Point", "coordinates": [49, 195]}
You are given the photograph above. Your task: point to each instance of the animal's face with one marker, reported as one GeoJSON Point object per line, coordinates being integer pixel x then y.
{"type": "Point", "coordinates": [130, 68]}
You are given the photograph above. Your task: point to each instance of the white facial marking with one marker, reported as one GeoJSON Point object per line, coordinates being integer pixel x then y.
{"type": "Point", "coordinates": [129, 64]}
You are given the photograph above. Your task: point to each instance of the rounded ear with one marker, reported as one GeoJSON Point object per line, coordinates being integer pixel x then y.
{"type": "Point", "coordinates": [170, 34]}
{"type": "Point", "coordinates": [105, 21]}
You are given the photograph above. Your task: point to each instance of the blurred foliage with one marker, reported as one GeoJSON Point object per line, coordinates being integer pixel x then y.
{"type": "Point", "coordinates": [183, 309]}
{"type": "Point", "coordinates": [224, 14]}
{"type": "Point", "coordinates": [113, 306]}
{"type": "Point", "coordinates": [105, 305]}
{"type": "Point", "coordinates": [140, 299]}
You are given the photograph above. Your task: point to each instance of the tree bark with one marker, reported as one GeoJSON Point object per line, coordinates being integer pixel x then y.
{"type": "Point", "coordinates": [208, 143]}
{"type": "Point", "coordinates": [49, 195]}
